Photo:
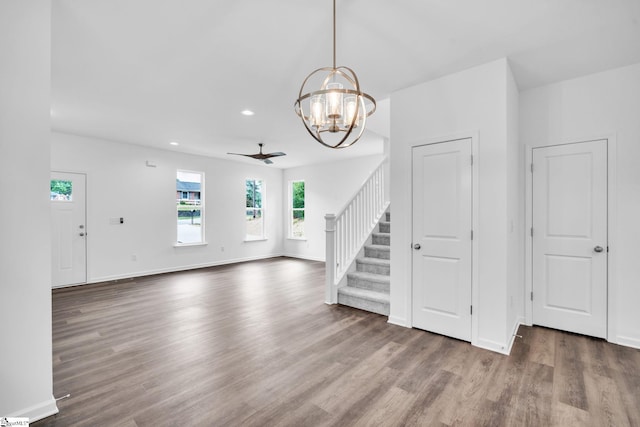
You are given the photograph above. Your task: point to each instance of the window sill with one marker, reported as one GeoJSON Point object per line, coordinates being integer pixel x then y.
{"type": "Point", "coordinates": [301, 239]}
{"type": "Point", "coordinates": [261, 239]}
{"type": "Point", "coordinates": [182, 245]}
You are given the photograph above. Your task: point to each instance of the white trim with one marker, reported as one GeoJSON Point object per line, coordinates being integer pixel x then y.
{"type": "Point", "coordinates": [305, 257]}
{"type": "Point", "coordinates": [514, 333]}
{"type": "Point", "coordinates": [474, 136]}
{"type": "Point", "coordinates": [612, 254]}
{"type": "Point", "coordinates": [171, 270]}
{"type": "Point", "coordinates": [528, 249]}
{"type": "Point", "coordinates": [38, 411]}
{"type": "Point", "coordinates": [475, 251]}
{"type": "Point", "coordinates": [628, 341]}
{"type": "Point", "coordinates": [498, 347]}
{"type": "Point", "coordinates": [399, 321]}
{"type": "Point", "coordinates": [182, 245]}
{"type": "Point", "coordinates": [612, 294]}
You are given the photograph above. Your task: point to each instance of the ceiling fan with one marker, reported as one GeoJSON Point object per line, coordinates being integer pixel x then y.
{"type": "Point", "coordinates": [265, 157]}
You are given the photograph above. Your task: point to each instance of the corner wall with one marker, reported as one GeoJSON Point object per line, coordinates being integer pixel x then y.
{"type": "Point", "coordinates": [26, 385]}
{"type": "Point", "coordinates": [328, 187]}
{"type": "Point", "coordinates": [602, 105]}
{"type": "Point", "coordinates": [475, 102]}
{"type": "Point", "coordinates": [515, 213]}
{"type": "Point", "coordinates": [119, 184]}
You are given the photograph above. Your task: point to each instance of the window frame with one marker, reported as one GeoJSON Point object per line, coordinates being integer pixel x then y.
{"type": "Point", "coordinates": [262, 209]}
{"type": "Point", "coordinates": [291, 210]}
{"type": "Point", "coordinates": [201, 204]}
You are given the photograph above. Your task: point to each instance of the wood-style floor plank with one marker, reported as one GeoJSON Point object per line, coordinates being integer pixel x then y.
{"type": "Point", "coordinates": [253, 344]}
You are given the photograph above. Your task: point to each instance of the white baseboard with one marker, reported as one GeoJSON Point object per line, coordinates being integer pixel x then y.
{"type": "Point", "coordinates": [628, 341]}
{"type": "Point", "coordinates": [37, 411]}
{"type": "Point", "coordinates": [308, 258]}
{"type": "Point", "coordinates": [493, 346]}
{"type": "Point", "coordinates": [512, 338]}
{"type": "Point", "coordinates": [399, 321]}
{"type": "Point", "coordinates": [134, 274]}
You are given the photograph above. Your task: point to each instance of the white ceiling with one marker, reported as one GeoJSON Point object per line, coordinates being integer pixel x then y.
{"type": "Point", "coordinates": [153, 71]}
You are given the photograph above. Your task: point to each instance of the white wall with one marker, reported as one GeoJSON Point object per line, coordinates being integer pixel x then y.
{"type": "Point", "coordinates": [328, 187]}
{"type": "Point", "coordinates": [475, 103]}
{"type": "Point", "coordinates": [606, 104]}
{"type": "Point", "coordinates": [515, 213]}
{"type": "Point", "coordinates": [25, 247]}
{"type": "Point", "coordinates": [119, 184]}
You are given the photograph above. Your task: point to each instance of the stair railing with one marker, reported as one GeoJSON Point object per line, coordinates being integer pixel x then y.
{"type": "Point", "coordinates": [348, 231]}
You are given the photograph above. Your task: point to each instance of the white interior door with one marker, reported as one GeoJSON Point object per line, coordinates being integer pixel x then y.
{"type": "Point", "coordinates": [442, 221]}
{"type": "Point", "coordinates": [68, 227]}
{"type": "Point", "coordinates": [570, 237]}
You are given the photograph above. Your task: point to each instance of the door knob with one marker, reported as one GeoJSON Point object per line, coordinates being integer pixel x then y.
{"type": "Point", "coordinates": [598, 249]}
{"type": "Point", "coordinates": [417, 246]}
{"type": "Point", "coordinates": [81, 234]}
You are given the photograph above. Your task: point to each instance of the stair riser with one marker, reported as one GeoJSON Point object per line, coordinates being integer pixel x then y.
{"type": "Point", "coordinates": [385, 227]}
{"type": "Point", "coordinates": [384, 270]}
{"type": "Point", "coordinates": [371, 285]}
{"type": "Point", "coordinates": [363, 304]}
{"type": "Point", "coordinates": [381, 239]}
{"type": "Point", "coordinates": [377, 253]}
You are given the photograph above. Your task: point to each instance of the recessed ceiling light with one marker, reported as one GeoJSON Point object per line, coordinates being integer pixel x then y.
{"type": "Point", "coordinates": [247, 113]}
{"type": "Point", "coordinates": [173, 143]}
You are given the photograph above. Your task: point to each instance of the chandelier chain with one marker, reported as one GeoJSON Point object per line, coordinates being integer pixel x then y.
{"type": "Point", "coordinates": [334, 34]}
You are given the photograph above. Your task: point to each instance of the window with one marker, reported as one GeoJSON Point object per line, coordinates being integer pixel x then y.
{"type": "Point", "coordinates": [61, 190]}
{"type": "Point", "coordinates": [296, 210]}
{"type": "Point", "coordinates": [255, 209]}
{"type": "Point", "coordinates": [190, 207]}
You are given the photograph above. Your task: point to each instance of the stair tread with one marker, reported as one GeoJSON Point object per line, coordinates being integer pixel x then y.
{"type": "Point", "coordinates": [376, 261]}
{"type": "Point", "coordinates": [365, 294]}
{"type": "Point", "coordinates": [370, 276]}
{"type": "Point", "coordinates": [382, 247]}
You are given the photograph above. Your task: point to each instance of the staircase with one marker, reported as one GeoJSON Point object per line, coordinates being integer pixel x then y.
{"type": "Point", "coordinates": [368, 287]}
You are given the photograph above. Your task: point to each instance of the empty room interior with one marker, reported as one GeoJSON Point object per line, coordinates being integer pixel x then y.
{"type": "Point", "coordinates": [329, 212]}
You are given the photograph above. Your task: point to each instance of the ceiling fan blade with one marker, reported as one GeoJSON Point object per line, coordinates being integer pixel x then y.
{"type": "Point", "coordinates": [262, 156]}
{"type": "Point", "coordinates": [253, 156]}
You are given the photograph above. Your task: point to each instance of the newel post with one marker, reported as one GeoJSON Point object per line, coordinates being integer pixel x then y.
{"type": "Point", "coordinates": [330, 259]}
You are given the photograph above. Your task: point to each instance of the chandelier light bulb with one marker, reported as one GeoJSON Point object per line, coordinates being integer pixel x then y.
{"type": "Point", "coordinates": [316, 107]}
{"type": "Point", "coordinates": [350, 107]}
{"type": "Point", "coordinates": [334, 101]}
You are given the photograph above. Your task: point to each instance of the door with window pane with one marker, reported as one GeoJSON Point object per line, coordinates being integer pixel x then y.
{"type": "Point", "coordinates": [68, 229]}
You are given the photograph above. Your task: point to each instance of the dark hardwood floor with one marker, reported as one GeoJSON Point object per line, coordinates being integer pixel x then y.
{"type": "Point", "coordinates": [253, 344]}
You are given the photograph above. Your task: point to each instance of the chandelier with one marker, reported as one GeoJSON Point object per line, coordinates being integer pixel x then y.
{"type": "Point", "coordinates": [337, 112]}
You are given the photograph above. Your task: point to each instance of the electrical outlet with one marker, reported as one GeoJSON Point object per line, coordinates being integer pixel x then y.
{"type": "Point", "coordinates": [134, 257]}
{"type": "Point", "coordinates": [221, 248]}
